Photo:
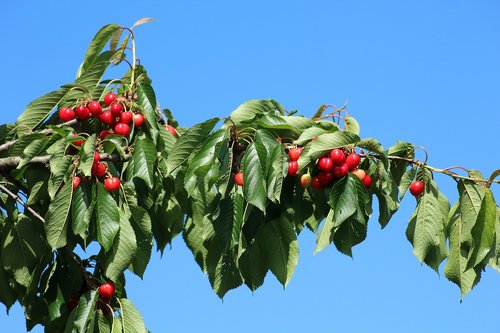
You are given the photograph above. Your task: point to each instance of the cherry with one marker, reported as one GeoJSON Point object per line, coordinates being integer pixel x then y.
{"type": "Point", "coordinates": [294, 153]}
{"type": "Point", "coordinates": [305, 180]}
{"type": "Point", "coordinates": [112, 184]}
{"type": "Point", "coordinates": [326, 178]}
{"type": "Point", "coordinates": [138, 120]}
{"type": "Point", "coordinates": [171, 129]}
{"type": "Point", "coordinates": [104, 134]}
{"type": "Point", "coordinates": [116, 109]}
{"type": "Point", "coordinates": [126, 117]}
{"type": "Point", "coordinates": [340, 170]}
{"type": "Point", "coordinates": [97, 156]}
{"type": "Point", "coordinates": [122, 129]}
{"type": "Point", "coordinates": [238, 178]}
{"type": "Point", "coordinates": [367, 181]}
{"type": "Point", "coordinates": [72, 303]}
{"type": "Point", "coordinates": [325, 164]}
{"type": "Point", "coordinates": [316, 183]}
{"type": "Point", "coordinates": [106, 117]}
{"type": "Point", "coordinates": [77, 143]}
{"type": "Point", "coordinates": [360, 173]}
{"type": "Point", "coordinates": [94, 108]}
{"type": "Point", "coordinates": [109, 98]}
{"type": "Point", "coordinates": [98, 169]}
{"type": "Point", "coordinates": [293, 167]}
{"type": "Point", "coordinates": [76, 181]}
{"type": "Point", "coordinates": [352, 161]}
{"type": "Point", "coordinates": [107, 289]}
{"type": "Point", "coordinates": [66, 114]}
{"type": "Point", "coordinates": [337, 156]}
{"type": "Point", "coordinates": [416, 188]}
{"type": "Point", "coordinates": [82, 112]}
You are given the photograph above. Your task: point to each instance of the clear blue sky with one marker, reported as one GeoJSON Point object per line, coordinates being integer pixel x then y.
{"type": "Point", "coordinates": [423, 71]}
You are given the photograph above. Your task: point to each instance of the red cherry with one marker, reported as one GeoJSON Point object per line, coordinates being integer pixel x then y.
{"type": "Point", "coordinates": [138, 120]}
{"type": "Point", "coordinates": [325, 164]}
{"type": "Point", "coordinates": [238, 178]}
{"type": "Point", "coordinates": [112, 184]}
{"type": "Point", "coordinates": [77, 143]}
{"type": "Point", "coordinates": [416, 188]}
{"type": "Point", "coordinates": [126, 117]}
{"type": "Point", "coordinates": [340, 170]}
{"type": "Point", "coordinates": [294, 153]}
{"type": "Point", "coordinates": [94, 108]}
{"type": "Point", "coordinates": [72, 303]}
{"type": "Point", "coordinates": [104, 134]}
{"type": "Point", "coordinates": [107, 289]}
{"type": "Point", "coordinates": [76, 181]}
{"type": "Point", "coordinates": [360, 173]}
{"type": "Point", "coordinates": [367, 181]}
{"type": "Point", "coordinates": [116, 109]}
{"type": "Point", "coordinates": [293, 167]}
{"type": "Point", "coordinates": [337, 156]}
{"type": "Point", "coordinates": [109, 98]}
{"type": "Point", "coordinates": [305, 180]}
{"type": "Point", "coordinates": [106, 117]}
{"type": "Point", "coordinates": [66, 114]}
{"type": "Point", "coordinates": [98, 169]}
{"type": "Point", "coordinates": [122, 129]}
{"type": "Point", "coordinates": [326, 178]}
{"type": "Point", "coordinates": [352, 161]}
{"type": "Point", "coordinates": [171, 129]}
{"type": "Point", "coordinates": [97, 156]}
{"type": "Point", "coordinates": [316, 183]}
{"type": "Point", "coordinates": [82, 112]}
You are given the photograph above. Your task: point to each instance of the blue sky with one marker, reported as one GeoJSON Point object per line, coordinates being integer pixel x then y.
{"type": "Point", "coordinates": [421, 71]}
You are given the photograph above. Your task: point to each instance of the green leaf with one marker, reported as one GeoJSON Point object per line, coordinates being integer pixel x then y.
{"type": "Point", "coordinates": [147, 100]}
{"type": "Point", "coordinates": [350, 233]}
{"type": "Point", "coordinates": [325, 236]}
{"type": "Point", "coordinates": [406, 180]}
{"type": "Point", "coordinates": [279, 245]}
{"type": "Point", "coordinates": [298, 123]}
{"type": "Point", "coordinates": [252, 266]}
{"type": "Point", "coordinates": [36, 112]}
{"type": "Point", "coordinates": [143, 160]}
{"type": "Point", "coordinates": [222, 270]}
{"type": "Point", "coordinates": [374, 146]}
{"type": "Point", "coordinates": [107, 217]}
{"type": "Point", "coordinates": [344, 199]}
{"type": "Point", "coordinates": [87, 155]}
{"type": "Point", "coordinates": [123, 251]}
{"type": "Point", "coordinates": [8, 295]}
{"type": "Point", "coordinates": [85, 312]}
{"type": "Point", "coordinates": [23, 246]}
{"type": "Point", "coordinates": [189, 143]}
{"type": "Point", "coordinates": [483, 232]}
{"type": "Point", "coordinates": [455, 269]}
{"type": "Point", "coordinates": [351, 125]}
{"type": "Point", "coordinates": [425, 230]}
{"type": "Point", "coordinates": [103, 324]}
{"type": "Point", "coordinates": [471, 198]}
{"type": "Point", "coordinates": [56, 219]}
{"type": "Point", "coordinates": [81, 210]}
{"type": "Point", "coordinates": [386, 190]}
{"type": "Point", "coordinates": [97, 44]}
{"type": "Point", "coordinates": [142, 226]}
{"type": "Point", "coordinates": [246, 112]}
{"type": "Point", "coordinates": [33, 149]}
{"type": "Point", "coordinates": [229, 221]}
{"type": "Point", "coordinates": [495, 260]}
{"type": "Point", "coordinates": [311, 133]}
{"type": "Point", "coordinates": [204, 159]}
{"type": "Point", "coordinates": [254, 190]}
{"type": "Point", "coordinates": [324, 144]}
{"type": "Point", "coordinates": [273, 161]}
{"type": "Point", "coordinates": [132, 319]}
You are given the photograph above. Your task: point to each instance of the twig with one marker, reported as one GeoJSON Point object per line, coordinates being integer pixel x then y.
{"type": "Point", "coordinates": [16, 197]}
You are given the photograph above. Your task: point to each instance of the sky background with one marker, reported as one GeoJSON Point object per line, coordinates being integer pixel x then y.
{"type": "Point", "coordinates": [421, 71]}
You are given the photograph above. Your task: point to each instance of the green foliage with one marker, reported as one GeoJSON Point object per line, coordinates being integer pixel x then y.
{"type": "Point", "coordinates": [183, 183]}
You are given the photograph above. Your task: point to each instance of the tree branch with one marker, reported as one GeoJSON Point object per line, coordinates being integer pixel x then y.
{"type": "Point", "coordinates": [18, 199]}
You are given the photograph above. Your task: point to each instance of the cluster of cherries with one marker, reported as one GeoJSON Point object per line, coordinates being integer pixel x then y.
{"type": "Point", "coordinates": [333, 166]}
{"type": "Point", "coordinates": [112, 115]}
